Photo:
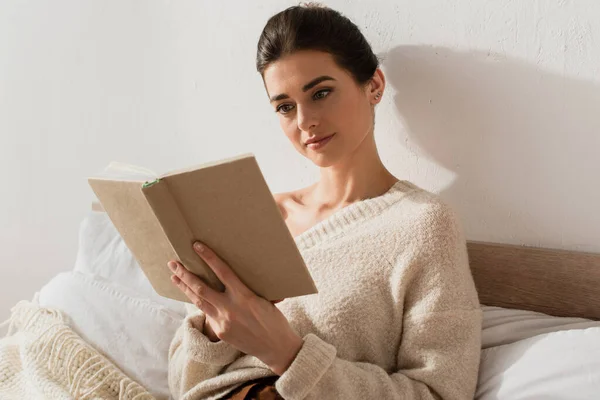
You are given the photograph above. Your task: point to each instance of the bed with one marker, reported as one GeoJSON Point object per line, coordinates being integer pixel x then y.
{"type": "Point", "coordinates": [540, 334]}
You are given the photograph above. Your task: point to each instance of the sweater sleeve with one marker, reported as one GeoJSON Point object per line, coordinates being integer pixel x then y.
{"type": "Point", "coordinates": [193, 356]}
{"type": "Point", "coordinates": [438, 354]}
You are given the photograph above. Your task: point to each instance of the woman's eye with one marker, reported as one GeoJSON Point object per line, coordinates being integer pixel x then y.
{"type": "Point", "coordinates": [325, 91]}
{"type": "Point", "coordinates": [285, 108]}
{"type": "Point", "coordinates": [282, 108]}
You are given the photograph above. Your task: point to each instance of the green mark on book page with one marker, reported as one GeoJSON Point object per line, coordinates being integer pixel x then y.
{"type": "Point", "coordinates": [150, 183]}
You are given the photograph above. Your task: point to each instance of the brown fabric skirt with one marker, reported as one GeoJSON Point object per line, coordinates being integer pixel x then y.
{"type": "Point", "coordinates": [258, 389]}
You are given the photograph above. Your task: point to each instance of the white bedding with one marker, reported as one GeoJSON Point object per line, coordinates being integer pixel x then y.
{"type": "Point", "coordinates": [563, 365]}
{"type": "Point", "coordinates": [112, 305]}
{"type": "Point", "coordinates": [43, 358]}
{"type": "Point", "coordinates": [504, 326]}
{"type": "Point", "coordinates": [134, 332]}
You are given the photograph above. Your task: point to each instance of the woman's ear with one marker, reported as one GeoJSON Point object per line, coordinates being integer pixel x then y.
{"type": "Point", "coordinates": [376, 87]}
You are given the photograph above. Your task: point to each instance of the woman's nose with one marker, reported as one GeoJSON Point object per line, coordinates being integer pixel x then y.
{"type": "Point", "coordinates": [307, 119]}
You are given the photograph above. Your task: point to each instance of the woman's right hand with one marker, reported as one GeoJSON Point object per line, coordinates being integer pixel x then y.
{"type": "Point", "coordinates": [207, 329]}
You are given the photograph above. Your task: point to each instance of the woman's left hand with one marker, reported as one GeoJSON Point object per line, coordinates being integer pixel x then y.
{"type": "Point", "coordinates": [238, 316]}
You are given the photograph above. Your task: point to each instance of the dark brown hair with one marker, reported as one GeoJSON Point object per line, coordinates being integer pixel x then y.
{"type": "Point", "coordinates": [315, 27]}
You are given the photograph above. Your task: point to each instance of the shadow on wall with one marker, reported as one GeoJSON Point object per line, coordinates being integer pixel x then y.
{"type": "Point", "coordinates": [524, 143]}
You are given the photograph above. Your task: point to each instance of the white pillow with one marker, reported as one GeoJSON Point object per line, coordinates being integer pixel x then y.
{"type": "Point", "coordinates": [112, 305]}
{"type": "Point", "coordinates": [553, 366]}
{"type": "Point", "coordinates": [504, 326]}
{"type": "Point", "coordinates": [132, 330]}
{"type": "Point", "coordinates": [103, 253]}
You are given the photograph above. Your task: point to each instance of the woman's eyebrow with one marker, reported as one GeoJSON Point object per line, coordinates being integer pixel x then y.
{"type": "Point", "coordinates": [305, 88]}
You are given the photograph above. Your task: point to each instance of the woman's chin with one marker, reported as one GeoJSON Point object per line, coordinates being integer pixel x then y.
{"type": "Point", "coordinates": [322, 160]}
{"type": "Point", "coordinates": [325, 157]}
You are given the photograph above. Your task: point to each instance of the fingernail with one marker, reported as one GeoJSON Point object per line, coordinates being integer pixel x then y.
{"type": "Point", "coordinates": [172, 266]}
{"type": "Point", "coordinates": [198, 246]}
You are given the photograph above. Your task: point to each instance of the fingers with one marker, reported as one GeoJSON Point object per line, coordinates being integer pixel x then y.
{"type": "Point", "coordinates": [221, 269]}
{"type": "Point", "coordinates": [277, 301]}
{"type": "Point", "coordinates": [203, 305]}
{"type": "Point", "coordinates": [196, 286]}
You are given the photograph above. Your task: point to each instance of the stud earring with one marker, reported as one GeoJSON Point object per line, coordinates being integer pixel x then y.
{"type": "Point", "coordinates": [377, 96]}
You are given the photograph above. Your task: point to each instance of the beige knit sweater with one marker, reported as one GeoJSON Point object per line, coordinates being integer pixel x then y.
{"type": "Point", "coordinates": [397, 314]}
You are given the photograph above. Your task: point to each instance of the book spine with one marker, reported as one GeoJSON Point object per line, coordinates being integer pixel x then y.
{"type": "Point", "coordinates": [177, 231]}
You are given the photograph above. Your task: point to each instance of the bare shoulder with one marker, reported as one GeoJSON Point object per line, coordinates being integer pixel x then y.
{"type": "Point", "coordinates": [281, 199]}
{"type": "Point", "coordinates": [289, 202]}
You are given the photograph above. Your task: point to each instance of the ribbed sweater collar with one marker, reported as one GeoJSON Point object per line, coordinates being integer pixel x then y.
{"type": "Point", "coordinates": [348, 216]}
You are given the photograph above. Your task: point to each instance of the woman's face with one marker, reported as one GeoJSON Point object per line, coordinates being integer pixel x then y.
{"type": "Point", "coordinates": [314, 98]}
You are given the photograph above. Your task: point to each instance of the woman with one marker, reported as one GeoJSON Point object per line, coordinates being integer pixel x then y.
{"type": "Point", "coordinates": [397, 314]}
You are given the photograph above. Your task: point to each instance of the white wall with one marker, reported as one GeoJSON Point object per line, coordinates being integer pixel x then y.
{"type": "Point", "coordinates": [493, 104]}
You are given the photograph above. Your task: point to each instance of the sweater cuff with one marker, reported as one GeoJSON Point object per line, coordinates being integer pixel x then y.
{"type": "Point", "coordinates": [309, 366]}
{"type": "Point", "coordinates": [201, 349]}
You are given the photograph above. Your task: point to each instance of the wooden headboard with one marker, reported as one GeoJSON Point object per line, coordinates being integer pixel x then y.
{"type": "Point", "coordinates": [555, 282]}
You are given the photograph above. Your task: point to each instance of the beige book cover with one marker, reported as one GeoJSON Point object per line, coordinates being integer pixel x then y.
{"type": "Point", "coordinates": [225, 204]}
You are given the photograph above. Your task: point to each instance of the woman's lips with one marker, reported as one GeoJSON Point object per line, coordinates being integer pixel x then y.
{"type": "Point", "coordinates": [321, 143]}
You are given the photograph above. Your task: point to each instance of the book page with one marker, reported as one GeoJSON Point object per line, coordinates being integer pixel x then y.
{"type": "Point", "coordinates": [207, 165]}
{"type": "Point", "coordinates": [127, 172]}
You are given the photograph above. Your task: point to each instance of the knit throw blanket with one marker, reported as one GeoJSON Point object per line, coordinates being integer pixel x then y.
{"type": "Point", "coordinates": [43, 358]}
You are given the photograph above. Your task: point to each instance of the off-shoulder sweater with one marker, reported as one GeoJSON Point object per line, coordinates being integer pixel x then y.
{"type": "Point", "coordinates": [396, 315]}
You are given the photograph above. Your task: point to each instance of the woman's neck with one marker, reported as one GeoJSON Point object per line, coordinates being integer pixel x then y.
{"type": "Point", "coordinates": [355, 179]}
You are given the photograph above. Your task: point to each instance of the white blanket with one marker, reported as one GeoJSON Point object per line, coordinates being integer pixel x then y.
{"type": "Point", "coordinates": [43, 358]}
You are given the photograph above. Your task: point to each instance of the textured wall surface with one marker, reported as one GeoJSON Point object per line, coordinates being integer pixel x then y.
{"type": "Point", "coordinates": [493, 104]}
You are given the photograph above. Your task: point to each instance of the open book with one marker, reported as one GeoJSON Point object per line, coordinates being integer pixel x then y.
{"type": "Point", "coordinates": [225, 204]}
